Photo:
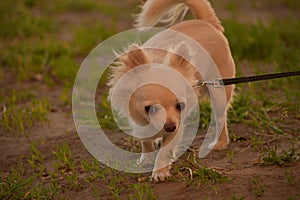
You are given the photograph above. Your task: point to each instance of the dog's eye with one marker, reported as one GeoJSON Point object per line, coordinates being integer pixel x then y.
{"type": "Point", "coordinates": [180, 106]}
{"type": "Point", "coordinates": [151, 109]}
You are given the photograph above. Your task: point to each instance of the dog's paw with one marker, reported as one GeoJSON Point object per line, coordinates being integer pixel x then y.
{"type": "Point", "coordinates": [161, 175]}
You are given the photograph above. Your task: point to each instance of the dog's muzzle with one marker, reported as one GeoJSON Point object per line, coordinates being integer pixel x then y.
{"type": "Point", "coordinates": [170, 127]}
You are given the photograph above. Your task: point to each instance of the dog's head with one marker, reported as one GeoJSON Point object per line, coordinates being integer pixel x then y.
{"type": "Point", "coordinates": [156, 103]}
{"type": "Point", "coordinates": [154, 87]}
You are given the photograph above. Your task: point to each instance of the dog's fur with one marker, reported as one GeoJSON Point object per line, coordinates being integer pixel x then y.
{"type": "Point", "coordinates": [207, 31]}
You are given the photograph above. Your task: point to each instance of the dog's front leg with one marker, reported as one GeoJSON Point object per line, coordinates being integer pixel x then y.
{"type": "Point", "coordinates": [148, 153]}
{"type": "Point", "coordinates": [164, 159]}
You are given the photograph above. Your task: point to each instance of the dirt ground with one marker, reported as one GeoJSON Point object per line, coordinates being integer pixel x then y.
{"type": "Point", "coordinates": [240, 162]}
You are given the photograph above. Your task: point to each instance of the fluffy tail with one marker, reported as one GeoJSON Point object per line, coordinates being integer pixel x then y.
{"type": "Point", "coordinates": [169, 11]}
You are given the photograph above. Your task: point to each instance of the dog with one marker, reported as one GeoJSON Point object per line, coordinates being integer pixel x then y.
{"type": "Point", "coordinates": [154, 102]}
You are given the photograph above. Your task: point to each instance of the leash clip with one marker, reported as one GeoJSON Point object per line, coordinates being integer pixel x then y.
{"type": "Point", "coordinates": [216, 83]}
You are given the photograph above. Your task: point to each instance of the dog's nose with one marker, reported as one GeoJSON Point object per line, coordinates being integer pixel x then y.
{"type": "Point", "coordinates": [169, 127]}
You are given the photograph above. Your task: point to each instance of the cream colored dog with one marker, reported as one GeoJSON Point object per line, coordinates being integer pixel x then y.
{"type": "Point", "coordinates": [147, 102]}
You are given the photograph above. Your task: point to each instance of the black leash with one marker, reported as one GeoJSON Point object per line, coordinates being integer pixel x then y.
{"type": "Point", "coordinates": [217, 83]}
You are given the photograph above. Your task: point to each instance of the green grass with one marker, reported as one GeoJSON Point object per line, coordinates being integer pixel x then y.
{"type": "Point", "coordinates": [21, 111]}
{"type": "Point", "coordinates": [33, 43]}
{"type": "Point", "coordinates": [284, 157]}
{"type": "Point", "coordinates": [206, 175]}
{"type": "Point", "coordinates": [258, 186]}
{"type": "Point", "coordinates": [292, 5]}
{"type": "Point", "coordinates": [15, 185]}
{"type": "Point", "coordinates": [36, 159]}
{"type": "Point", "coordinates": [142, 191]}
{"type": "Point", "coordinates": [276, 43]}
{"type": "Point", "coordinates": [87, 37]}
{"type": "Point", "coordinates": [190, 170]}
{"type": "Point", "coordinates": [78, 5]}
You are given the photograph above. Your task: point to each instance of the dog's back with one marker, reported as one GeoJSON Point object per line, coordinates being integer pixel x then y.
{"type": "Point", "coordinates": [206, 29]}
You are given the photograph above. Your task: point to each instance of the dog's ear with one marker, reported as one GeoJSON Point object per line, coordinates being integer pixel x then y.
{"type": "Point", "coordinates": [135, 57]}
{"type": "Point", "coordinates": [182, 55]}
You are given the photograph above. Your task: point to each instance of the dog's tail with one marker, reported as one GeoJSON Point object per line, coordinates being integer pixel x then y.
{"type": "Point", "coordinates": [169, 11]}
